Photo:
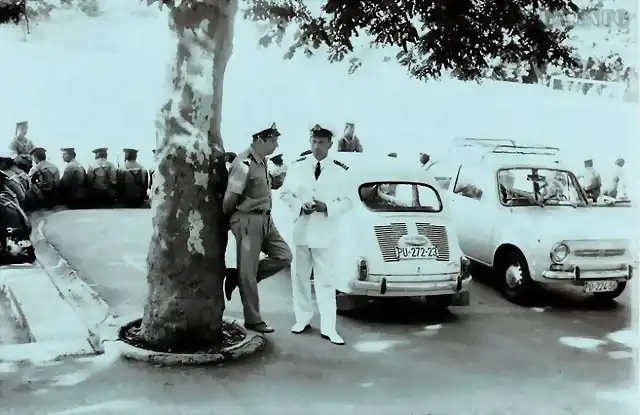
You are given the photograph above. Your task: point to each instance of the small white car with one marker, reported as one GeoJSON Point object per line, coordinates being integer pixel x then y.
{"type": "Point", "coordinates": [398, 239]}
{"type": "Point", "coordinates": [522, 213]}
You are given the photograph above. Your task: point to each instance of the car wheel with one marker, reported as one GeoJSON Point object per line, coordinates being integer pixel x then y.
{"type": "Point", "coordinates": [607, 297]}
{"type": "Point", "coordinates": [516, 282]}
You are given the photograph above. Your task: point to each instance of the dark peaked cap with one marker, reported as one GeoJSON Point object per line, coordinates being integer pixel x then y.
{"type": "Point", "coordinates": [68, 150]}
{"type": "Point", "coordinates": [130, 151]}
{"type": "Point", "coordinates": [268, 133]}
{"type": "Point", "coordinates": [318, 131]}
{"type": "Point", "coordinates": [39, 151]}
{"type": "Point", "coordinates": [100, 150]}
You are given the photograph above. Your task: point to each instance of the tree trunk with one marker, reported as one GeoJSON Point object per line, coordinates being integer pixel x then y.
{"type": "Point", "coordinates": [186, 255]}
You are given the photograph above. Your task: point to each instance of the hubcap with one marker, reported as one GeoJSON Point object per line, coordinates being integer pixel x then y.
{"type": "Point", "coordinates": [513, 276]}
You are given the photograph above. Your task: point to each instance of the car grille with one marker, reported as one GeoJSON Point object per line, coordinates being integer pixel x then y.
{"type": "Point", "coordinates": [437, 234]}
{"type": "Point", "coordinates": [388, 237]}
{"type": "Point", "coordinates": [599, 253]}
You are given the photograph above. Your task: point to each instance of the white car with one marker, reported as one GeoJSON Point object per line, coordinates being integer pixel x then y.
{"type": "Point", "coordinates": [397, 240]}
{"type": "Point", "coordinates": [522, 213]}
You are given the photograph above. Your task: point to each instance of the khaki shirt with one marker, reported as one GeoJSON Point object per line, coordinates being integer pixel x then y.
{"type": "Point", "coordinates": [350, 145]}
{"type": "Point", "coordinates": [249, 177]}
{"type": "Point", "coordinates": [74, 175]}
{"type": "Point", "coordinates": [47, 165]}
{"type": "Point", "coordinates": [21, 146]}
{"type": "Point", "coordinates": [132, 165]}
{"type": "Point", "coordinates": [102, 162]}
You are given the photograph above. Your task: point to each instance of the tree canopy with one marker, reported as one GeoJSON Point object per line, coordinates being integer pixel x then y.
{"type": "Point", "coordinates": [466, 37]}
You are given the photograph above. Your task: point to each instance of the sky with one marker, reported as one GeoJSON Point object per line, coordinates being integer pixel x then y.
{"type": "Point", "coordinates": [97, 82]}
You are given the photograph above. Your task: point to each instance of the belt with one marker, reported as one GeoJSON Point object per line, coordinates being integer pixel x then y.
{"type": "Point", "coordinates": [259, 212]}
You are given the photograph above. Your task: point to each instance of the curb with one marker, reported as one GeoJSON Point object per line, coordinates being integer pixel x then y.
{"type": "Point", "coordinates": [252, 344]}
{"type": "Point", "coordinates": [87, 304]}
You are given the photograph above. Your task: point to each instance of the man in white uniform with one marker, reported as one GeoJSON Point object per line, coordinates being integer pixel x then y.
{"type": "Point", "coordinates": [312, 191]}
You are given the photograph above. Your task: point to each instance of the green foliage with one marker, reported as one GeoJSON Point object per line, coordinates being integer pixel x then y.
{"type": "Point", "coordinates": [466, 37]}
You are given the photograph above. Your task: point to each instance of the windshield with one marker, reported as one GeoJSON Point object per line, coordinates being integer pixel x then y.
{"type": "Point", "coordinates": [400, 197]}
{"type": "Point", "coordinates": [532, 186]}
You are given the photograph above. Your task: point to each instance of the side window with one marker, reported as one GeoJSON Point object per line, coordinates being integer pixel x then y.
{"type": "Point", "coordinates": [442, 173]}
{"type": "Point", "coordinates": [467, 186]}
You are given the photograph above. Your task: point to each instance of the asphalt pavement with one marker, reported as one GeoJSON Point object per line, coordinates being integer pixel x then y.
{"type": "Point", "coordinates": [561, 357]}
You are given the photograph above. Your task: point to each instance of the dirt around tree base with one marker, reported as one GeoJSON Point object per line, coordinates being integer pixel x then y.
{"type": "Point", "coordinates": [231, 336]}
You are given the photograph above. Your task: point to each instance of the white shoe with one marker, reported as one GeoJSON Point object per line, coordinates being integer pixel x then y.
{"type": "Point", "coordinates": [299, 328]}
{"type": "Point", "coordinates": [333, 338]}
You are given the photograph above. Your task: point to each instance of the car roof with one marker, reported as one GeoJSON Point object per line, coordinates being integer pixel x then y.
{"type": "Point", "coordinates": [372, 168]}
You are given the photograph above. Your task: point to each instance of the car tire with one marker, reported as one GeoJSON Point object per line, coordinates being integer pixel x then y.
{"type": "Point", "coordinates": [515, 279]}
{"type": "Point", "coordinates": [607, 297]}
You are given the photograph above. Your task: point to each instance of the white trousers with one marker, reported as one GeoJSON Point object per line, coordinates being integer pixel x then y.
{"type": "Point", "coordinates": [318, 260]}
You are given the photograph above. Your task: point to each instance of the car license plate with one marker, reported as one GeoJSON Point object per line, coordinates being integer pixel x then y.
{"type": "Point", "coordinates": [417, 252]}
{"type": "Point", "coordinates": [600, 286]}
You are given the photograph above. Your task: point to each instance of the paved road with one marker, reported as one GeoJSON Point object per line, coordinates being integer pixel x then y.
{"type": "Point", "coordinates": [489, 358]}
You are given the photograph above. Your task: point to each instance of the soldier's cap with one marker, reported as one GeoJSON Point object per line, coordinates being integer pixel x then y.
{"type": "Point", "coordinates": [38, 150]}
{"type": "Point", "coordinates": [277, 158]}
{"type": "Point", "coordinates": [22, 124]}
{"type": "Point", "coordinates": [620, 160]}
{"type": "Point", "coordinates": [129, 151]}
{"type": "Point", "coordinates": [68, 150]}
{"type": "Point", "coordinates": [100, 150]}
{"type": "Point", "coordinates": [589, 162]}
{"type": "Point", "coordinates": [319, 132]}
{"type": "Point", "coordinates": [394, 155]}
{"type": "Point", "coordinates": [349, 124]}
{"type": "Point", "coordinates": [267, 133]}
{"type": "Point", "coordinates": [229, 156]}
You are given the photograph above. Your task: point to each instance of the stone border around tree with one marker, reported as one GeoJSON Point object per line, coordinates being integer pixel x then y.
{"type": "Point", "coordinates": [253, 343]}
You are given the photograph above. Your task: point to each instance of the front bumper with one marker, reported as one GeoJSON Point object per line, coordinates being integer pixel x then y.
{"type": "Point", "coordinates": [576, 274]}
{"type": "Point", "coordinates": [384, 286]}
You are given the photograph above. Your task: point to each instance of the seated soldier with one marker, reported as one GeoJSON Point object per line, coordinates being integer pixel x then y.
{"type": "Point", "coordinates": [73, 182]}
{"type": "Point", "coordinates": [132, 181]}
{"type": "Point", "coordinates": [45, 182]}
{"type": "Point", "coordinates": [15, 229]}
{"type": "Point", "coordinates": [16, 182]}
{"type": "Point", "coordinates": [102, 178]}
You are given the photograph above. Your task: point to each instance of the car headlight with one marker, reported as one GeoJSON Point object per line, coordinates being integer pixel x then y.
{"type": "Point", "coordinates": [559, 253]}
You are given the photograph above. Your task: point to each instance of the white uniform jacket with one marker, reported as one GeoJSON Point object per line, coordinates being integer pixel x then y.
{"type": "Point", "coordinates": [317, 230]}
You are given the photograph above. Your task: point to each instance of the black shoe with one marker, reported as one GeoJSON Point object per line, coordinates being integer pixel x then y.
{"type": "Point", "coordinates": [334, 338]}
{"type": "Point", "coordinates": [230, 282]}
{"type": "Point", "coordinates": [299, 329]}
{"type": "Point", "coordinates": [261, 327]}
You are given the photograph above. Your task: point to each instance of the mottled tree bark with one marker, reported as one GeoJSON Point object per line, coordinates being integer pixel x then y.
{"type": "Point", "coordinates": [186, 255]}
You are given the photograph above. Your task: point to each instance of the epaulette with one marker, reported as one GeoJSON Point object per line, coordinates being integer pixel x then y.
{"type": "Point", "coordinates": [301, 159]}
{"type": "Point", "coordinates": [247, 162]}
{"type": "Point", "coordinates": [341, 164]}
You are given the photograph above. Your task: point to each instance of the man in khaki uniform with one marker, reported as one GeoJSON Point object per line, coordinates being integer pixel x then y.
{"type": "Point", "coordinates": [45, 180]}
{"type": "Point", "coordinates": [101, 179]}
{"type": "Point", "coordinates": [247, 202]}
{"type": "Point", "coordinates": [133, 180]}
{"type": "Point", "coordinates": [350, 142]}
{"type": "Point", "coordinates": [72, 184]}
{"type": "Point", "coordinates": [21, 146]}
